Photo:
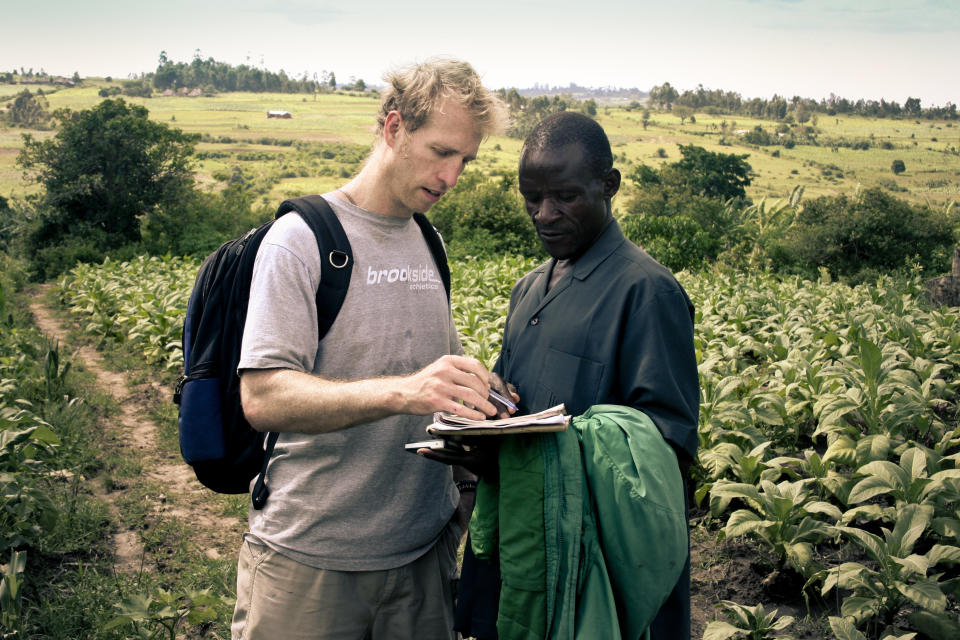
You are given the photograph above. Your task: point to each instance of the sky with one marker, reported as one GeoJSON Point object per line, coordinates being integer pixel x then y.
{"type": "Point", "coordinates": [870, 49]}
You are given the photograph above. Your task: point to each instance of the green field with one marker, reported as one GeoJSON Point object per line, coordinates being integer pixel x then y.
{"type": "Point", "coordinates": [827, 481]}
{"type": "Point", "coordinates": [238, 134]}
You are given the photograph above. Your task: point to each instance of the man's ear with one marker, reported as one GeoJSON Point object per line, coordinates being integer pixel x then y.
{"type": "Point", "coordinates": [611, 183]}
{"type": "Point", "coordinates": [393, 129]}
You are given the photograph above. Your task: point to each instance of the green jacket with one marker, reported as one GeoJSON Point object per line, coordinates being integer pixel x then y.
{"type": "Point", "coordinates": [589, 525]}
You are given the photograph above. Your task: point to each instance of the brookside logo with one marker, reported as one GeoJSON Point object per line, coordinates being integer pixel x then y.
{"type": "Point", "coordinates": [419, 277]}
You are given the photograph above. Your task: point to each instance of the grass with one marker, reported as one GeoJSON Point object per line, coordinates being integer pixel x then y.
{"type": "Point", "coordinates": [72, 588]}
{"type": "Point", "coordinates": [933, 170]}
{"type": "Point", "coordinates": [928, 148]}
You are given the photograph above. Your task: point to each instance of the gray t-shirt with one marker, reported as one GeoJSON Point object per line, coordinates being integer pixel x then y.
{"type": "Point", "coordinates": [351, 500]}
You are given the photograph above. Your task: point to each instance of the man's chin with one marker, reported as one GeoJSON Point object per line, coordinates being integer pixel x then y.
{"type": "Point", "coordinates": [558, 252]}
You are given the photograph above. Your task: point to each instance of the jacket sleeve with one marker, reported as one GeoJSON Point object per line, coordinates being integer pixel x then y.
{"type": "Point", "coordinates": [658, 368]}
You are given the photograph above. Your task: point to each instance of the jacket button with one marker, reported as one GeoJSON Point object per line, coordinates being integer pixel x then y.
{"type": "Point", "coordinates": [534, 321]}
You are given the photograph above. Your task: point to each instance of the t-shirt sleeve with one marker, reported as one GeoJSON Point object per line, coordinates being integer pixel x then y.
{"type": "Point", "coordinates": [281, 326]}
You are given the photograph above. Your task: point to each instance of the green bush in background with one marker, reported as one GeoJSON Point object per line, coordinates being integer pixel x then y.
{"type": "Point", "coordinates": [485, 218]}
{"type": "Point", "coordinates": [869, 234]}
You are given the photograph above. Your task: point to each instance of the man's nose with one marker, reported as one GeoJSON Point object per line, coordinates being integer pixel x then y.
{"type": "Point", "coordinates": [547, 212]}
{"type": "Point", "coordinates": [450, 173]}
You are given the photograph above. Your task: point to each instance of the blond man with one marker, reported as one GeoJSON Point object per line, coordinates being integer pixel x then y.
{"type": "Point", "coordinates": [358, 539]}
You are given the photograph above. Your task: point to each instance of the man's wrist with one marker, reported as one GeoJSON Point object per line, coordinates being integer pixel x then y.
{"type": "Point", "coordinates": [393, 395]}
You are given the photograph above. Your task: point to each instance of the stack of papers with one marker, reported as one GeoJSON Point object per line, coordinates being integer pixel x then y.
{"type": "Point", "coordinates": [552, 419]}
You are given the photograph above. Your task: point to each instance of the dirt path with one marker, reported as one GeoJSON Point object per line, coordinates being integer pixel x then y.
{"type": "Point", "coordinates": [135, 433]}
{"type": "Point", "coordinates": [214, 535]}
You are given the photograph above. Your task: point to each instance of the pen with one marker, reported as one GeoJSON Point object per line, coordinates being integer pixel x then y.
{"type": "Point", "coordinates": [504, 401]}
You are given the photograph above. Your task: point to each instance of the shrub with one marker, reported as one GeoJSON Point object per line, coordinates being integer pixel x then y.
{"type": "Point", "coordinates": [137, 88]}
{"type": "Point", "coordinates": [758, 136]}
{"type": "Point", "coordinates": [874, 231]}
{"type": "Point", "coordinates": [105, 169]}
{"type": "Point", "coordinates": [676, 242]}
{"type": "Point", "coordinates": [29, 110]}
{"type": "Point", "coordinates": [898, 167]}
{"type": "Point", "coordinates": [202, 222]}
{"type": "Point", "coordinates": [485, 218]}
{"type": "Point", "coordinates": [705, 187]}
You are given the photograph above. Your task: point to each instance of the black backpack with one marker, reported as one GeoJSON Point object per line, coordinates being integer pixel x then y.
{"type": "Point", "coordinates": [215, 438]}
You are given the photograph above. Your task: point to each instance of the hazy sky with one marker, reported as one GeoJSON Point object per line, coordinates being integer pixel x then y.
{"type": "Point", "coordinates": [871, 49]}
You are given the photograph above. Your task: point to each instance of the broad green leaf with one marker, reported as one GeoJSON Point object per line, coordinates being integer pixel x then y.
{"type": "Point", "coordinates": [721, 630]}
{"type": "Point", "coordinates": [825, 508]}
{"type": "Point", "coordinates": [914, 462]}
{"type": "Point", "coordinates": [940, 553]}
{"type": "Point", "coordinates": [951, 587]}
{"type": "Point", "coordinates": [782, 622]}
{"type": "Point", "coordinates": [849, 575]}
{"type": "Point", "coordinates": [871, 357]}
{"type": "Point", "coordinates": [869, 487]}
{"type": "Point", "coordinates": [870, 543]}
{"type": "Point", "coordinates": [769, 413]}
{"type": "Point", "coordinates": [858, 608]}
{"type": "Point", "coordinates": [800, 555]}
{"type": "Point", "coordinates": [742, 522]}
{"type": "Point", "coordinates": [736, 490]}
{"type": "Point", "coordinates": [118, 621]}
{"type": "Point", "coordinates": [913, 566]}
{"type": "Point", "coordinates": [890, 473]}
{"type": "Point", "coordinates": [926, 594]}
{"type": "Point", "coordinates": [842, 450]}
{"type": "Point", "coordinates": [913, 520]}
{"type": "Point", "coordinates": [936, 626]}
{"type": "Point", "coordinates": [873, 447]}
{"type": "Point", "coordinates": [844, 629]}
{"type": "Point", "coordinates": [946, 527]}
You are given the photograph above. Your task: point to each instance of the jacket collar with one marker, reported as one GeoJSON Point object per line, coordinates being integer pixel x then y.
{"type": "Point", "coordinates": [609, 240]}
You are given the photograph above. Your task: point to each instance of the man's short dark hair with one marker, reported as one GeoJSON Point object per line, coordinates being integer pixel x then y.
{"type": "Point", "coordinates": [568, 127]}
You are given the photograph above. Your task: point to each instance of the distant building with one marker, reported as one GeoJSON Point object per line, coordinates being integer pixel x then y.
{"type": "Point", "coordinates": [279, 114]}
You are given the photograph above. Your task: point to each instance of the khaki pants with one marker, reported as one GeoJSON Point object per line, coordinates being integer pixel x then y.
{"type": "Point", "coordinates": [280, 599]}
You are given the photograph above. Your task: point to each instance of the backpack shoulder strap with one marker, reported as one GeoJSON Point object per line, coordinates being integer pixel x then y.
{"type": "Point", "coordinates": [432, 236]}
{"type": "Point", "coordinates": [336, 265]}
{"type": "Point", "coordinates": [336, 257]}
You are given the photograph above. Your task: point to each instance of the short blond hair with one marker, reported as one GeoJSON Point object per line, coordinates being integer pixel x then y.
{"type": "Point", "coordinates": [414, 92]}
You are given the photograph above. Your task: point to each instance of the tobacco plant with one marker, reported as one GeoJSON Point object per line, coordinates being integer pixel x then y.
{"type": "Point", "coordinates": [753, 623]}
{"type": "Point", "coordinates": [782, 516]}
{"type": "Point", "coordinates": [918, 479]}
{"type": "Point", "coordinates": [896, 579]}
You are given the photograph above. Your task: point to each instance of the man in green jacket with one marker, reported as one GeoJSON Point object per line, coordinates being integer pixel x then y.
{"type": "Point", "coordinates": [600, 323]}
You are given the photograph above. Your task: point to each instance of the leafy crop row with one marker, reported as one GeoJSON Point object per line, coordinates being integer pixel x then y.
{"type": "Point", "coordinates": [44, 454]}
{"type": "Point", "coordinates": [829, 420]}
{"type": "Point", "coordinates": [828, 423]}
{"type": "Point", "coordinates": [143, 301]}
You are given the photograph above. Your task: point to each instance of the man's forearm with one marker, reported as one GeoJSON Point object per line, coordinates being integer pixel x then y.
{"type": "Point", "coordinates": [291, 400]}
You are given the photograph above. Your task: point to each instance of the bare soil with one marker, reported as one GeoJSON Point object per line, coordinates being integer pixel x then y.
{"type": "Point", "coordinates": [134, 432]}
{"type": "Point", "coordinates": [728, 570]}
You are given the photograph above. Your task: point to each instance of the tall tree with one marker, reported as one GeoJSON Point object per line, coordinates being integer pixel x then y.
{"type": "Point", "coordinates": [714, 175]}
{"type": "Point", "coordinates": [104, 170]}
{"type": "Point", "coordinates": [664, 95]}
{"type": "Point", "coordinates": [29, 110]}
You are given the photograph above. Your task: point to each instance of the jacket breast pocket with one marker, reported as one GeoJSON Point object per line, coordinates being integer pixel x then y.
{"type": "Point", "coordinates": [567, 378]}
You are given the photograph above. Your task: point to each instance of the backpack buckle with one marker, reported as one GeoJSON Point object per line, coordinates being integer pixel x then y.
{"type": "Point", "coordinates": [338, 259]}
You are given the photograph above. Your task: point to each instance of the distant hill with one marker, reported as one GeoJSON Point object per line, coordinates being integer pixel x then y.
{"type": "Point", "coordinates": [603, 95]}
